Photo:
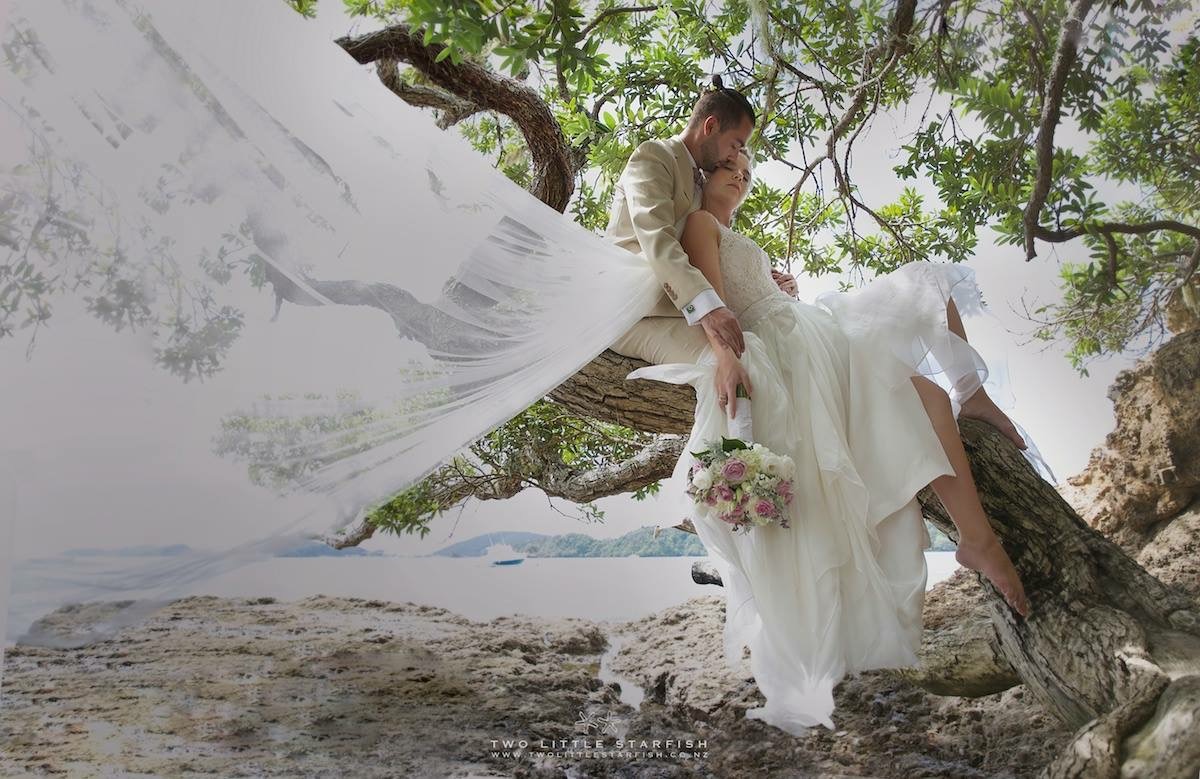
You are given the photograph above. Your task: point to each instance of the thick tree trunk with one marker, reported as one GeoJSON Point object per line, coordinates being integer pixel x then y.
{"type": "Point", "coordinates": [1109, 648]}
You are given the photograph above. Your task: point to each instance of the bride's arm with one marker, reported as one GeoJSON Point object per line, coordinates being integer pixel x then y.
{"type": "Point", "coordinates": [702, 241]}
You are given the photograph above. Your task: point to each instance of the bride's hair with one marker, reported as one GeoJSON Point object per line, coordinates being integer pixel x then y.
{"type": "Point", "coordinates": [725, 103]}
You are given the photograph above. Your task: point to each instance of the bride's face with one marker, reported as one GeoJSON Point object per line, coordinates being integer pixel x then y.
{"type": "Point", "coordinates": [729, 183]}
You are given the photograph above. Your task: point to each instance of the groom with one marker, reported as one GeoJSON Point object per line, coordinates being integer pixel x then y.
{"type": "Point", "coordinates": [658, 189]}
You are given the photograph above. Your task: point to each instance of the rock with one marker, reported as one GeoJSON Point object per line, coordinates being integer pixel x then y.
{"type": "Point", "coordinates": [1148, 468]}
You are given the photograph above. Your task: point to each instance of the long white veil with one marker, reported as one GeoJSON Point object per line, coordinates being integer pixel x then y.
{"type": "Point", "coordinates": [230, 250]}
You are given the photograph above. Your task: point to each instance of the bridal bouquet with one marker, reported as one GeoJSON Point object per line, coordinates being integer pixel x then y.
{"type": "Point", "coordinates": [745, 485]}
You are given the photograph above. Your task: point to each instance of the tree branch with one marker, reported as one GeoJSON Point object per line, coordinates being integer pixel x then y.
{"type": "Point", "coordinates": [450, 485]}
{"type": "Point", "coordinates": [1060, 236]}
{"type": "Point", "coordinates": [654, 463]}
{"type": "Point", "coordinates": [553, 163]}
{"type": "Point", "coordinates": [352, 535]}
{"type": "Point", "coordinates": [1064, 60]}
{"type": "Point", "coordinates": [600, 391]}
{"type": "Point", "coordinates": [609, 12]}
{"type": "Point", "coordinates": [453, 109]}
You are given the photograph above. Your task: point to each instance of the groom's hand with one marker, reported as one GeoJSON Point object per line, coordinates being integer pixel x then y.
{"type": "Point", "coordinates": [785, 281]}
{"type": "Point", "coordinates": [722, 325]}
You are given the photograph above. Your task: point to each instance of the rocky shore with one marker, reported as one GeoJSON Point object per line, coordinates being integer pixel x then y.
{"type": "Point", "coordinates": [347, 687]}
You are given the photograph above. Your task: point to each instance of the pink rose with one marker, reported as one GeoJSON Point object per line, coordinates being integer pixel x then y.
{"type": "Point", "coordinates": [734, 471]}
{"type": "Point", "coordinates": [764, 508]}
{"type": "Point", "coordinates": [723, 492]}
{"type": "Point", "coordinates": [710, 499]}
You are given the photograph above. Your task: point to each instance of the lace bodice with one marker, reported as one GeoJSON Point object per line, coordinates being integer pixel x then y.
{"type": "Point", "coordinates": [750, 292]}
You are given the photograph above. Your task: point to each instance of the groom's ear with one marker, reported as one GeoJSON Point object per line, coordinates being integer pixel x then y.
{"type": "Point", "coordinates": [711, 125]}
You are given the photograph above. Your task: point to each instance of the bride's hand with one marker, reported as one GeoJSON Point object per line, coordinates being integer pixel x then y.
{"type": "Point", "coordinates": [785, 281]}
{"type": "Point", "coordinates": [730, 373]}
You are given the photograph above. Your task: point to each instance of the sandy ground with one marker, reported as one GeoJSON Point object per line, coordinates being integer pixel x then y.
{"type": "Point", "coordinates": [346, 687]}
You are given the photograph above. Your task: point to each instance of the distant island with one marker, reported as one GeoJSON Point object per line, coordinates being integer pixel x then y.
{"type": "Point", "coordinates": [636, 543]}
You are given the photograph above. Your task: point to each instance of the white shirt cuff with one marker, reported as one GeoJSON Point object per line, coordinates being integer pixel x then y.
{"type": "Point", "coordinates": [700, 305]}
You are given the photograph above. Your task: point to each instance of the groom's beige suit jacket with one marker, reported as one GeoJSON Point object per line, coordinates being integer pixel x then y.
{"type": "Point", "coordinates": [651, 204]}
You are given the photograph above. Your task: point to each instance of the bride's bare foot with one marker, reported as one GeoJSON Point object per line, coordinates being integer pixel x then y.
{"type": "Point", "coordinates": [980, 406]}
{"type": "Point", "coordinates": [990, 559]}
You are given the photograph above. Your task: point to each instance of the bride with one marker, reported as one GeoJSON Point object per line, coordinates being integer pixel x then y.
{"type": "Point", "coordinates": [838, 389]}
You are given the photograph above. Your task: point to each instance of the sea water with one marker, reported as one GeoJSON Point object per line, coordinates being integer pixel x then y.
{"type": "Point", "coordinates": [595, 588]}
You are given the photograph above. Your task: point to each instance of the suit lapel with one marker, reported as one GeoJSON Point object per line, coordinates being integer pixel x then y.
{"type": "Point", "coordinates": [684, 178]}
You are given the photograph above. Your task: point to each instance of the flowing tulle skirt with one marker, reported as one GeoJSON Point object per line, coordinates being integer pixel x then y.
{"type": "Point", "coordinates": [842, 589]}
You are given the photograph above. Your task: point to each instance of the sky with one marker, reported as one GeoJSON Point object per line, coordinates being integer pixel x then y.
{"type": "Point", "coordinates": [1065, 414]}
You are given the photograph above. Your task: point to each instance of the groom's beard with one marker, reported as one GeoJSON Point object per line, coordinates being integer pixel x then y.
{"type": "Point", "coordinates": [709, 151]}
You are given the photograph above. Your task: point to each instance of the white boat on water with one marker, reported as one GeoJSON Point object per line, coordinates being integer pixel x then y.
{"type": "Point", "coordinates": [502, 554]}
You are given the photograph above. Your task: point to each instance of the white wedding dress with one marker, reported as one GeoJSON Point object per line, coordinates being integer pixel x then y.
{"type": "Point", "coordinates": [842, 589]}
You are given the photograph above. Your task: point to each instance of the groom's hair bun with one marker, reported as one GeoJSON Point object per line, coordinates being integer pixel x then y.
{"type": "Point", "coordinates": [725, 103]}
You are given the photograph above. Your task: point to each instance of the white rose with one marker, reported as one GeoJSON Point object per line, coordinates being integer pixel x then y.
{"type": "Point", "coordinates": [702, 480]}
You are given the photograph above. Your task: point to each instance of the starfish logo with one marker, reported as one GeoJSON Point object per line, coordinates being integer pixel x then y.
{"type": "Point", "coordinates": [600, 723]}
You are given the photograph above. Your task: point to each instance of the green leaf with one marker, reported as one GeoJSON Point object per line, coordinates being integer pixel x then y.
{"type": "Point", "coordinates": [732, 444]}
